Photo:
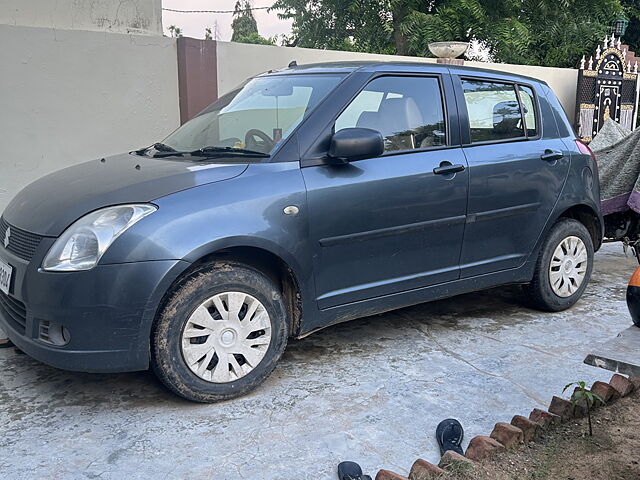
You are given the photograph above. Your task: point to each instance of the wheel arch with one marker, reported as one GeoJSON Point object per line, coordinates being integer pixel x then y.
{"type": "Point", "coordinates": [589, 218]}
{"type": "Point", "coordinates": [262, 259]}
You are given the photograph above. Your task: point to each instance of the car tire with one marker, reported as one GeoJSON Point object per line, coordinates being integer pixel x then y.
{"type": "Point", "coordinates": [246, 345]}
{"type": "Point", "coordinates": [559, 286]}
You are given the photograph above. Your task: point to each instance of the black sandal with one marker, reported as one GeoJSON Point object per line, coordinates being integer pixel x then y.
{"type": "Point", "coordinates": [450, 434]}
{"type": "Point", "coordinates": [5, 343]}
{"type": "Point", "coordinates": [351, 471]}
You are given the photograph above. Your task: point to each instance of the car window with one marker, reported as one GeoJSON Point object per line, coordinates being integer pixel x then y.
{"type": "Point", "coordinates": [528, 104]}
{"type": "Point", "coordinates": [407, 111]}
{"type": "Point", "coordinates": [494, 111]}
{"type": "Point", "coordinates": [257, 116]}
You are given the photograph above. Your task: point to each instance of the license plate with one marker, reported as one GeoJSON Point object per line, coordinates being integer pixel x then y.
{"type": "Point", "coordinates": [5, 277]}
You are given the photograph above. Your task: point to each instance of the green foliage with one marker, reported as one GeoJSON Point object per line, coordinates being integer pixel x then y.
{"type": "Point", "coordinates": [245, 27]}
{"type": "Point", "coordinates": [175, 31]}
{"type": "Point", "coordinates": [632, 35]}
{"type": "Point", "coordinates": [255, 38]}
{"type": "Point", "coordinates": [582, 395]}
{"type": "Point", "coordinates": [355, 25]}
{"type": "Point", "coordinates": [541, 32]}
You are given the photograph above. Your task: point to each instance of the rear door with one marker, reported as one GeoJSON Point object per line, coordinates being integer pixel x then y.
{"type": "Point", "coordinates": [517, 168]}
{"type": "Point", "coordinates": [392, 223]}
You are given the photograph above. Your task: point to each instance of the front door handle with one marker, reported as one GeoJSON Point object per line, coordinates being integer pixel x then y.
{"type": "Point", "coordinates": [447, 169]}
{"type": "Point", "coordinates": [551, 155]}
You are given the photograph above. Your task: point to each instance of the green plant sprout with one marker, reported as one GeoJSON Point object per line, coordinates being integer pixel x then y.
{"type": "Point", "coordinates": [588, 397]}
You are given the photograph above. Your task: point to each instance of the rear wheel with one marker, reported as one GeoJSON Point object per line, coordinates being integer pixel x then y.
{"type": "Point", "coordinates": [220, 334]}
{"type": "Point", "coordinates": [563, 268]}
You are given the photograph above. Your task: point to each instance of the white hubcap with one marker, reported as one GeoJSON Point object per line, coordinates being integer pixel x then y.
{"type": "Point", "coordinates": [226, 337]}
{"type": "Point", "coordinates": [568, 266]}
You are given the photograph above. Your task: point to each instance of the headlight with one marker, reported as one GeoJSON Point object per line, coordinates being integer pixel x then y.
{"type": "Point", "coordinates": [82, 245]}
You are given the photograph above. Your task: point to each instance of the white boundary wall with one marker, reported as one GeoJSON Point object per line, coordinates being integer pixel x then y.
{"type": "Point", "coordinates": [69, 96]}
{"type": "Point", "coordinates": [237, 61]}
{"type": "Point", "coordinates": [118, 16]}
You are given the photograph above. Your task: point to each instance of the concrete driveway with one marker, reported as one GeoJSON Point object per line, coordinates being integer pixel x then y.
{"type": "Point", "coordinates": [371, 390]}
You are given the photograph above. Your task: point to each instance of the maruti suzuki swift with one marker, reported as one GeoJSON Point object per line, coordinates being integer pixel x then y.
{"type": "Point", "coordinates": [306, 197]}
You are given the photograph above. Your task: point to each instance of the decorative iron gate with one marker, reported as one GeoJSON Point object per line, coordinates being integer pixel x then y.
{"type": "Point", "coordinates": [607, 88]}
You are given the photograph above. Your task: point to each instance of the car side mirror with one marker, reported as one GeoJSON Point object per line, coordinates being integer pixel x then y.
{"type": "Point", "coordinates": [351, 144]}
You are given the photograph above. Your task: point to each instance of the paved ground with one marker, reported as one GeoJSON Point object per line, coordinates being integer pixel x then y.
{"type": "Point", "coordinates": [371, 390]}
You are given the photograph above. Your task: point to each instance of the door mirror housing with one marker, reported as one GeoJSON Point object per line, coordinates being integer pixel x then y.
{"type": "Point", "coordinates": [351, 144]}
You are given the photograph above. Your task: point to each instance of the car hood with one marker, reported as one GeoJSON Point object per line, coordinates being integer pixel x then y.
{"type": "Point", "coordinates": [49, 205]}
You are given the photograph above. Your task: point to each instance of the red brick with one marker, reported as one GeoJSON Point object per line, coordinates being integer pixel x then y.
{"type": "Point", "coordinates": [636, 382]}
{"type": "Point", "coordinates": [544, 418]}
{"type": "Point", "coordinates": [604, 390]}
{"type": "Point", "coordinates": [450, 457]}
{"type": "Point", "coordinates": [387, 475]}
{"type": "Point", "coordinates": [529, 429]}
{"type": "Point", "coordinates": [621, 384]}
{"type": "Point", "coordinates": [507, 435]}
{"type": "Point", "coordinates": [482, 447]}
{"type": "Point", "coordinates": [561, 407]}
{"type": "Point", "coordinates": [422, 470]}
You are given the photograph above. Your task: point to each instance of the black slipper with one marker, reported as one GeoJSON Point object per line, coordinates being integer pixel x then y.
{"type": "Point", "coordinates": [351, 471]}
{"type": "Point", "coordinates": [450, 434]}
{"type": "Point", "coordinates": [5, 343]}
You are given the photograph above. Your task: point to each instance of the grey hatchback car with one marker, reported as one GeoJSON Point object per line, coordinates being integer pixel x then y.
{"type": "Point", "coordinates": [306, 197]}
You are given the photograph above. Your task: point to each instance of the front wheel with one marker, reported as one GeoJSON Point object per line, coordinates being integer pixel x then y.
{"type": "Point", "coordinates": [220, 334]}
{"type": "Point", "coordinates": [563, 268]}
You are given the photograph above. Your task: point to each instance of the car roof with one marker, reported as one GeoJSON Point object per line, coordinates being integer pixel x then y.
{"type": "Point", "coordinates": [397, 66]}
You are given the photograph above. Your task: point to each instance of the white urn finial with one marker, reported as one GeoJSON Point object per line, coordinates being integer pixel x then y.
{"type": "Point", "coordinates": [582, 63]}
{"type": "Point", "coordinates": [598, 52]}
{"type": "Point", "coordinates": [591, 63]}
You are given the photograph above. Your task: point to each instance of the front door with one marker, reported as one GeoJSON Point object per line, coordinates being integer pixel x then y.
{"type": "Point", "coordinates": [515, 175]}
{"type": "Point", "coordinates": [389, 224]}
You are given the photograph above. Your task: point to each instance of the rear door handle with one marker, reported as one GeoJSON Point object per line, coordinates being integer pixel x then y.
{"type": "Point", "coordinates": [448, 169]}
{"type": "Point", "coordinates": [551, 155]}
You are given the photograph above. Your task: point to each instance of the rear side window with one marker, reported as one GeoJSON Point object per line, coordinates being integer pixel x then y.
{"type": "Point", "coordinates": [407, 111]}
{"type": "Point", "coordinates": [494, 110]}
{"type": "Point", "coordinates": [528, 103]}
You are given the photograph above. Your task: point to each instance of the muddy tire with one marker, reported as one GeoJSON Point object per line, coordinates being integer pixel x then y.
{"type": "Point", "coordinates": [220, 334]}
{"type": "Point", "coordinates": [563, 268]}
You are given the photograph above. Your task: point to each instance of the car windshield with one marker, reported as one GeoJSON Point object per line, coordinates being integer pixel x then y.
{"type": "Point", "coordinates": [257, 116]}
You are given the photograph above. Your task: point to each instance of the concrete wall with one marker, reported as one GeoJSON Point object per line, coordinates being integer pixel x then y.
{"type": "Point", "coordinates": [237, 61]}
{"type": "Point", "coordinates": [70, 96]}
{"type": "Point", "coordinates": [122, 16]}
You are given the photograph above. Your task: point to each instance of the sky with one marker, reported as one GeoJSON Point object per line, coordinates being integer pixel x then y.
{"type": "Point", "coordinates": [193, 24]}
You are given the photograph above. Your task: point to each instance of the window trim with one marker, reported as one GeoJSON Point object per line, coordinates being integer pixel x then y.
{"type": "Point", "coordinates": [536, 110]}
{"type": "Point", "coordinates": [515, 83]}
{"type": "Point", "coordinates": [438, 76]}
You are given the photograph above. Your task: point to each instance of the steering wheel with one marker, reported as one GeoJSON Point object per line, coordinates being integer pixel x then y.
{"type": "Point", "coordinates": [258, 140]}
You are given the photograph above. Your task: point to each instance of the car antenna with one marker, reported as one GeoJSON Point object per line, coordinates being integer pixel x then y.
{"type": "Point", "coordinates": [293, 63]}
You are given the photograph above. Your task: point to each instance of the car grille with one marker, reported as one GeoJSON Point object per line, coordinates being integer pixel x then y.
{"type": "Point", "coordinates": [14, 311]}
{"type": "Point", "coordinates": [21, 243]}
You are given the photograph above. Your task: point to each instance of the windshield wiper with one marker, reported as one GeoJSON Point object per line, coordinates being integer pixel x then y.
{"type": "Point", "coordinates": [161, 147]}
{"type": "Point", "coordinates": [209, 152]}
{"type": "Point", "coordinates": [241, 151]}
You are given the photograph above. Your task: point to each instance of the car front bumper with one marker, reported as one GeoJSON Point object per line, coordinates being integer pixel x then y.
{"type": "Point", "coordinates": [107, 311]}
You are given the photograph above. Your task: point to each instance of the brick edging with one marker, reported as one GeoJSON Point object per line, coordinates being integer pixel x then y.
{"type": "Point", "coordinates": [507, 436]}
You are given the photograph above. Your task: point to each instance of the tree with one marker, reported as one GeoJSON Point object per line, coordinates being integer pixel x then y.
{"type": "Point", "coordinates": [542, 32]}
{"type": "Point", "coordinates": [355, 25]}
{"type": "Point", "coordinates": [632, 35]}
{"type": "Point", "coordinates": [245, 27]}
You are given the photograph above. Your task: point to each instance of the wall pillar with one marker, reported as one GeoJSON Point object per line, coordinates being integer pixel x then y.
{"type": "Point", "coordinates": [197, 75]}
